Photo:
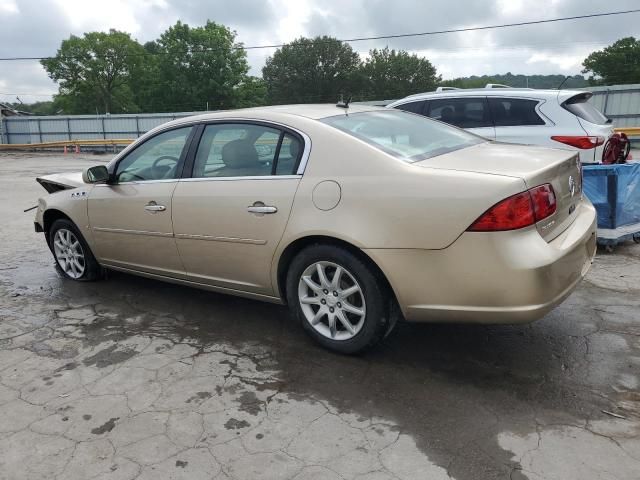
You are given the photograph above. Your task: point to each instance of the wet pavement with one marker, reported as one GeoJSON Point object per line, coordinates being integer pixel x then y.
{"type": "Point", "coordinates": [133, 378]}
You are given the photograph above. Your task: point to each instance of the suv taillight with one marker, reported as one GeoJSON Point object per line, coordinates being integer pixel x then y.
{"type": "Point", "coordinates": [518, 211]}
{"type": "Point", "coordinates": [583, 142]}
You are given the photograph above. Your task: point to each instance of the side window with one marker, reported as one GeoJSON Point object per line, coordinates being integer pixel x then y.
{"type": "Point", "coordinates": [461, 112]}
{"type": "Point", "coordinates": [511, 112]}
{"type": "Point", "coordinates": [289, 156]}
{"type": "Point", "coordinates": [156, 159]}
{"type": "Point", "coordinates": [244, 150]}
{"type": "Point", "coordinates": [413, 107]}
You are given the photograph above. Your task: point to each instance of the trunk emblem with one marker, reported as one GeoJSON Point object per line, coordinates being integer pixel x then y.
{"type": "Point", "coordinates": [572, 185]}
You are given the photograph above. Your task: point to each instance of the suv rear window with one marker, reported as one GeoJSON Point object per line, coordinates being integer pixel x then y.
{"type": "Point", "coordinates": [579, 106]}
{"type": "Point", "coordinates": [408, 137]}
{"type": "Point", "coordinates": [413, 107]}
{"type": "Point", "coordinates": [514, 112]}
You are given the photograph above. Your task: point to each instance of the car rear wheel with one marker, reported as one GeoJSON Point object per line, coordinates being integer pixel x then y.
{"type": "Point", "coordinates": [73, 256]}
{"type": "Point", "coordinates": [340, 300]}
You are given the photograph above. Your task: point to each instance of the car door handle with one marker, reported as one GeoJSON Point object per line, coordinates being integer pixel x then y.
{"type": "Point", "coordinates": [153, 207]}
{"type": "Point", "coordinates": [261, 208]}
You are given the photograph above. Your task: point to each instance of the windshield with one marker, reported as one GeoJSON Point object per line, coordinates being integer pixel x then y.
{"type": "Point", "coordinates": [404, 135]}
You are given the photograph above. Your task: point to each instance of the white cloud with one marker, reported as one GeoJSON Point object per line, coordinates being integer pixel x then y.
{"type": "Point", "coordinates": [36, 27]}
{"type": "Point", "coordinates": [8, 7]}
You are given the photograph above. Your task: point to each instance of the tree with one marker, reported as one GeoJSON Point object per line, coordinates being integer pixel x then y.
{"type": "Point", "coordinates": [312, 70]}
{"type": "Point", "coordinates": [616, 64]}
{"type": "Point", "coordinates": [396, 74]}
{"type": "Point", "coordinates": [197, 66]}
{"type": "Point", "coordinates": [252, 92]}
{"type": "Point", "coordinates": [93, 72]}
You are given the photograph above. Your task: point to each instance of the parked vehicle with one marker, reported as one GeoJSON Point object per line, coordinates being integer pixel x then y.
{"type": "Point", "coordinates": [352, 216]}
{"type": "Point", "coordinates": [553, 118]}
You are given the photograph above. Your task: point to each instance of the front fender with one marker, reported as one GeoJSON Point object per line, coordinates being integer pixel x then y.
{"type": "Point", "coordinates": [71, 203]}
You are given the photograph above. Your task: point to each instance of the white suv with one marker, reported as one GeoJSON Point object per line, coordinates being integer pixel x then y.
{"type": "Point", "coordinates": [553, 118]}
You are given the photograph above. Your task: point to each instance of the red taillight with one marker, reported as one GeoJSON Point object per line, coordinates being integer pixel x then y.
{"type": "Point", "coordinates": [582, 142]}
{"type": "Point", "coordinates": [519, 211]}
{"type": "Point", "coordinates": [544, 201]}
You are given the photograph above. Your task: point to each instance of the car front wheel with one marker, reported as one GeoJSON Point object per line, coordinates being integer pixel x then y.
{"type": "Point", "coordinates": [340, 300]}
{"type": "Point", "coordinates": [73, 255]}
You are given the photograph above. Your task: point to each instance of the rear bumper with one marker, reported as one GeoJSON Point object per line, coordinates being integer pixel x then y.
{"type": "Point", "coordinates": [501, 277]}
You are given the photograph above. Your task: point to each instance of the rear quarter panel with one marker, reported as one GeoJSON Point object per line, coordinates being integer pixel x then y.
{"type": "Point", "coordinates": [386, 202]}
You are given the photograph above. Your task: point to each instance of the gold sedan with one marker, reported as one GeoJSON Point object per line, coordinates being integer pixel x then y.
{"type": "Point", "coordinates": [354, 217]}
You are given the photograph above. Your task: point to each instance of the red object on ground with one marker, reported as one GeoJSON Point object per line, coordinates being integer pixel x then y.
{"type": "Point", "coordinates": [617, 149]}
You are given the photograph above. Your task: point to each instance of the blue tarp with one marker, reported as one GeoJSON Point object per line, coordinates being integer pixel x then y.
{"type": "Point", "coordinates": [615, 192]}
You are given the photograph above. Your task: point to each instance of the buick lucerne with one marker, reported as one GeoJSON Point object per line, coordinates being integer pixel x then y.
{"type": "Point", "coordinates": [354, 217]}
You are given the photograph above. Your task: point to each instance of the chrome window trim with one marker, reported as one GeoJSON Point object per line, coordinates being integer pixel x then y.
{"type": "Point", "coordinates": [136, 182]}
{"type": "Point", "coordinates": [306, 152]}
{"type": "Point", "coordinates": [248, 177]}
{"type": "Point", "coordinates": [304, 159]}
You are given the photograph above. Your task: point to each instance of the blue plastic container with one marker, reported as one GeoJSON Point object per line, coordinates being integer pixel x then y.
{"type": "Point", "coordinates": [615, 192]}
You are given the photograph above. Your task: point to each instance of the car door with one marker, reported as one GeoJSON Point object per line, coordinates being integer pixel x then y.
{"type": "Point", "coordinates": [130, 217]}
{"type": "Point", "coordinates": [517, 120]}
{"type": "Point", "coordinates": [470, 113]}
{"type": "Point", "coordinates": [231, 214]}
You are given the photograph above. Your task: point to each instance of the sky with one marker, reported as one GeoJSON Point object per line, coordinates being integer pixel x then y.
{"type": "Point", "coordinates": [37, 27]}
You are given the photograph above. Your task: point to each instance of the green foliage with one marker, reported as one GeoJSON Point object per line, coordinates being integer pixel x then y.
{"type": "Point", "coordinates": [194, 66]}
{"type": "Point", "coordinates": [396, 74]}
{"type": "Point", "coordinates": [617, 64]}
{"type": "Point", "coordinates": [252, 92]}
{"type": "Point", "coordinates": [312, 70]}
{"type": "Point", "coordinates": [517, 81]}
{"type": "Point", "coordinates": [93, 72]}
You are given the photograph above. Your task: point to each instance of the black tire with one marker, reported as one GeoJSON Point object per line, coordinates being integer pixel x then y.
{"type": "Point", "coordinates": [92, 269]}
{"type": "Point", "coordinates": [379, 318]}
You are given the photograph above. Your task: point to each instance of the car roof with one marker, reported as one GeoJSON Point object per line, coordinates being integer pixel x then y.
{"type": "Point", "coordinates": [312, 111]}
{"type": "Point", "coordinates": [546, 94]}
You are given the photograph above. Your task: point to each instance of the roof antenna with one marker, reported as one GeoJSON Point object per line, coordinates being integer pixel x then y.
{"type": "Point", "coordinates": [342, 104]}
{"type": "Point", "coordinates": [563, 82]}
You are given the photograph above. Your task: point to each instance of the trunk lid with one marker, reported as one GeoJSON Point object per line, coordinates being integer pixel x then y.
{"type": "Point", "coordinates": [534, 165]}
{"type": "Point", "coordinates": [60, 181]}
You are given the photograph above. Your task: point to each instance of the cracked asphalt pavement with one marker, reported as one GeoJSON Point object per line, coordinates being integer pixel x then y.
{"type": "Point", "coordinates": [130, 378]}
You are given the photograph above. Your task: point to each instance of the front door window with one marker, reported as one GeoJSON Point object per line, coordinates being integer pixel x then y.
{"type": "Point", "coordinates": [159, 158]}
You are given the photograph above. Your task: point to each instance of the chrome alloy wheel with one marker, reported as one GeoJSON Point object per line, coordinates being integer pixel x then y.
{"type": "Point", "coordinates": [332, 300]}
{"type": "Point", "coordinates": [68, 252]}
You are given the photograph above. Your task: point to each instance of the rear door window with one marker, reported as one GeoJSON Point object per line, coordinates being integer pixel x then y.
{"type": "Point", "coordinates": [461, 112]}
{"type": "Point", "coordinates": [245, 150]}
{"type": "Point", "coordinates": [512, 112]}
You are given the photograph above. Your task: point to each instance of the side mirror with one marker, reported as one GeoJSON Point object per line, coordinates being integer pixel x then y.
{"type": "Point", "coordinates": [97, 174]}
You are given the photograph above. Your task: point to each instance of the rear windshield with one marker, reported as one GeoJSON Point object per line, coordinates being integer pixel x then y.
{"type": "Point", "coordinates": [404, 135]}
{"type": "Point", "coordinates": [579, 106]}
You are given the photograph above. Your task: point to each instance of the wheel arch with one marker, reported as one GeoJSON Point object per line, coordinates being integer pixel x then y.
{"type": "Point", "coordinates": [296, 246]}
{"type": "Point", "coordinates": [49, 217]}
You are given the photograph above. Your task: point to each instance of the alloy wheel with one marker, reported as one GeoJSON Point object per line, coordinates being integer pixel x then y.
{"type": "Point", "coordinates": [69, 253]}
{"type": "Point", "coordinates": [331, 300]}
